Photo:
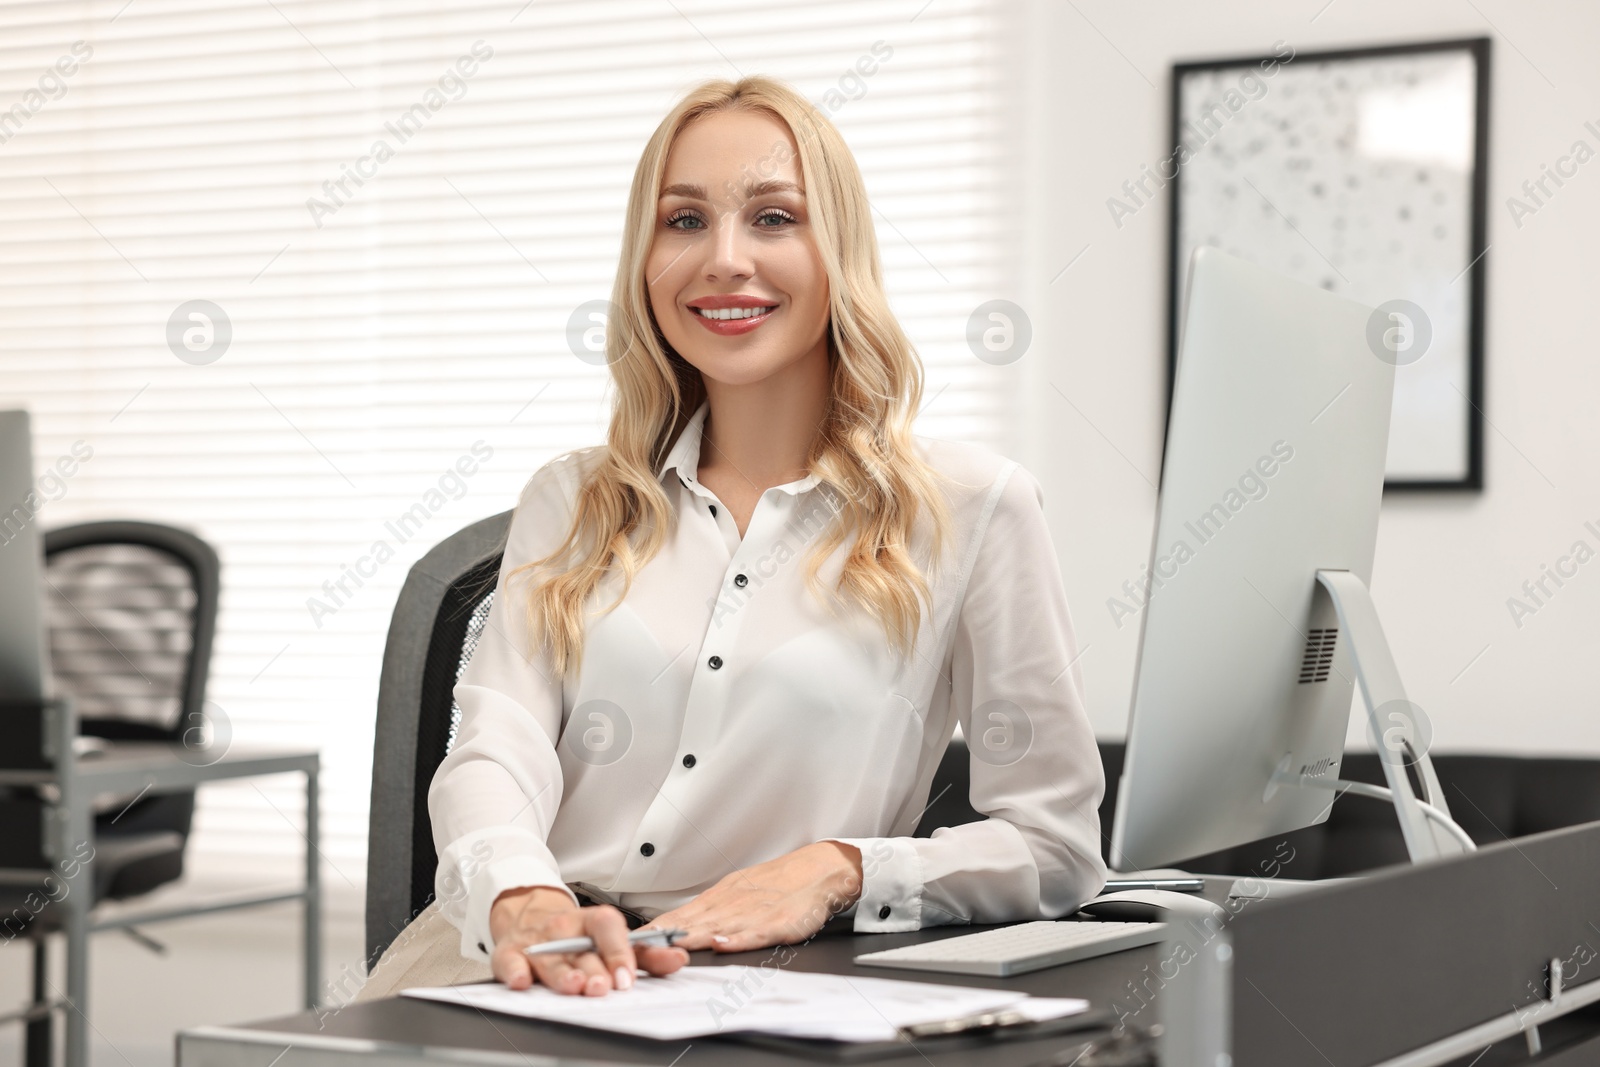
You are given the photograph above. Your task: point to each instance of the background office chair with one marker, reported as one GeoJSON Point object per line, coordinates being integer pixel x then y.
{"type": "Point", "coordinates": [130, 612]}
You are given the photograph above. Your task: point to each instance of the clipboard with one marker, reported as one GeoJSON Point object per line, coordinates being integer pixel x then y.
{"type": "Point", "coordinates": [838, 1028]}
{"type": "Point", "coordinates": [950, 1035]}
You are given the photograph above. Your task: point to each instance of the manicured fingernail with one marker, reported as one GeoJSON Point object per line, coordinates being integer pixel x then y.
{"type": "Point", "coordinates": [597, 985]}
{"type": "Point", "coordinates": [721, 939]}
{"type": "Point", "coordinates": [624, 978]}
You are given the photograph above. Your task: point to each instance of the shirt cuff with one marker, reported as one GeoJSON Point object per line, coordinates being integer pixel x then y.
{"type": "Point", "coordinates": [891, 884]}
{"type": "Point", "coordinates": [490, 880]}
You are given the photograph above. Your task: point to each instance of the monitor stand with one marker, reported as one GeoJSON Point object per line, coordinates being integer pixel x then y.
{"type": "Point", "coordinates": [1425, 822]}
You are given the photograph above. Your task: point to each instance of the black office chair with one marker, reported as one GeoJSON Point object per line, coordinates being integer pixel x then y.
{"type": "Point", "coordinates": [130, 613]}
{"type": "Point", "coordinates": [432, 633]}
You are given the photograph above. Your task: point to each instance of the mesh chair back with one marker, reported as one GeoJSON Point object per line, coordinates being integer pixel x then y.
{"type": "Point", "coordinates": [130, 614]}
{"type": "Point", "coordinates": [469, 642]}
{"type": "Point", "coordinates": [435, 627]}
{"type": "Point", "coordinates": [131, 610]}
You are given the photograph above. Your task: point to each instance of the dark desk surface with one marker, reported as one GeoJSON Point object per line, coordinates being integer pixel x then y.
{"type": "Point", "coordinates": [408, 1031]}
{"type": "Point", "coordinates": [446, 1027]}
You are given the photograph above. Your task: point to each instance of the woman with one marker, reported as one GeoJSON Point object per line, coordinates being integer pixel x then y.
{"type": "Point", "coordinates": [728, 648]}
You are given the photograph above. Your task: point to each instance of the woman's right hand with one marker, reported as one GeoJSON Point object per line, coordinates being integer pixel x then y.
{"type": "Point", "coordinates": [531, 915]}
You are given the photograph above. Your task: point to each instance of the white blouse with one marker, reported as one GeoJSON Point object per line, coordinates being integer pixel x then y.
{"type": "Point", "coordinates": [722, 717]}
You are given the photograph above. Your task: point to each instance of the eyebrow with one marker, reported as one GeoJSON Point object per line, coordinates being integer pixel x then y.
{"type": "Point", "coordinates": [698, 192]}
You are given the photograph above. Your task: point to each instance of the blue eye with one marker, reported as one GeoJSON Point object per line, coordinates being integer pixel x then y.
{"type": "Point", "coordinates": [679, 216]}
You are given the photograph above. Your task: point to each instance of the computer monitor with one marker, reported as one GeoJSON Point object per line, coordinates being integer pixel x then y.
{"type": "Point", "coordinates": [1254, 614]}
{"type": "Point", "coordinates": [22, 664]}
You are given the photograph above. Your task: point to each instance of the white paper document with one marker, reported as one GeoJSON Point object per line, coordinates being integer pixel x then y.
{"type": "Point", "coordinates": [699, 1001]}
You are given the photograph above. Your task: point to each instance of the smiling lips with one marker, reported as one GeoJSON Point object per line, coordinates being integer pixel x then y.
{"type": "Point", "coordinates": [731, 316]}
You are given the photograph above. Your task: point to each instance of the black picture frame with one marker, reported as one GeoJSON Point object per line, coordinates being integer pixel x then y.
{"type": "Point", "coordinates": [1477, 222]}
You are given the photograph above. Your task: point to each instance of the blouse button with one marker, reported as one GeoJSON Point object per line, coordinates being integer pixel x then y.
{"type": "Point", "coordinates": [713, 508]}
{"type": "Point", "coordinates": [740, 580]}
{"type": "Point", "coordinates": [647, 849]}
{"type": "Point", "coordinates": [689, 760]}
{"type": "Point", "coordinates": [715, 662]}
{"type": "Point", "coordinates": [883, 912]}
{"type": "Point", "coordinates": [481, 948]}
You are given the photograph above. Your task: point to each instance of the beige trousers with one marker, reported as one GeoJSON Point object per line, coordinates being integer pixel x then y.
{"type": "Point", "coordinates": [426, 953]}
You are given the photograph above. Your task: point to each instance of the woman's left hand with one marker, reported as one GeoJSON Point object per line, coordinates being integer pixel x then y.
{"type": "Point", "coordinates": [780, 902]}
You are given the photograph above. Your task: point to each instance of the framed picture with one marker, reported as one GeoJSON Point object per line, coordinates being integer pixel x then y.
{"type": "Point", "coordinates": [1364, 172]}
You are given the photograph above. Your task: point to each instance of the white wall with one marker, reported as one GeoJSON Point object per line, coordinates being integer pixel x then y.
{"type": "Point", "coordinates": [1097, 100]}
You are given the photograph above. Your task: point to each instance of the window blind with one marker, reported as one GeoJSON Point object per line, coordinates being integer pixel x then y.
{"type": "Point", "coordinates": [298, 274]}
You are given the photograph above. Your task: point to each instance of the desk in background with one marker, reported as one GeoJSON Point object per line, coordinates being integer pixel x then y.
{"type": "Point", "coordinates": [124, 767]}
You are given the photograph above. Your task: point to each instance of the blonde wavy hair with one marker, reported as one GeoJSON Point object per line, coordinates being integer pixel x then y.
{"type": "Point", "coordinates": [862, 454]}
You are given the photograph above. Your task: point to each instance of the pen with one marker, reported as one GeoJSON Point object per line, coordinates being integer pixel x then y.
{"type": "Point", "coordinates": [660, 937]}
{"type": "Point", "coordinates": [1175, 885]}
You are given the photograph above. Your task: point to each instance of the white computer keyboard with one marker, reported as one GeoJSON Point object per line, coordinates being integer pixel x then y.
{"type": "Point", "coordinates": [1019, 949]}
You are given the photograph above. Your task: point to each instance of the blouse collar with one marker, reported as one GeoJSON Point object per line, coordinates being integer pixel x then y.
{"type": "Point", "coordinates": [684, 456]}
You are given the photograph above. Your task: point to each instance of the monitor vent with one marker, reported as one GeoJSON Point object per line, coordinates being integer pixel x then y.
{"type": "Point", "coordinates": [1318, 659]}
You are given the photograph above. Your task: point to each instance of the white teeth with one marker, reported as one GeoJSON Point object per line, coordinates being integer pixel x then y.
{"type": "Point", "coordinates": [732, 313]}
